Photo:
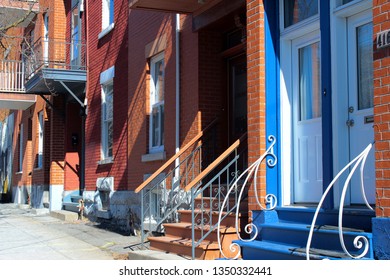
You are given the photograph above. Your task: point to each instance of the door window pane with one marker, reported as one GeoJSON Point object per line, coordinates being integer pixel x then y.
{"type": "Point", "coordinates": [365, 67]}
{"type": "Point", "coordinates": [298, 10]}
{"type": "Point", "coordinates": [309, 82]}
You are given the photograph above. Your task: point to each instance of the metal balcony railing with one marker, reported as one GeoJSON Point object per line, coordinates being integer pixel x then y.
{"type": "Point", "coordinates": [12, 76]}
{"type": "Point", "coordinates": [55, 54]}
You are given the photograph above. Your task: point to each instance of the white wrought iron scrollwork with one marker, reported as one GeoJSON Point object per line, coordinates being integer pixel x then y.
{"type": "Point", "coordinates": [270, 199]}
{"type": "Point", "coordinates": [359, 241]}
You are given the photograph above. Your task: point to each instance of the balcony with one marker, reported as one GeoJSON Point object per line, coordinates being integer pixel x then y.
{"type": "Point", "coordinates": [18, 12]}
{"type": "Point", "coordinates": [55, 66]}
{"type": "Point", "coordinates": [176, 6]}
{"type": "Point", "coordinates": [12, 89]}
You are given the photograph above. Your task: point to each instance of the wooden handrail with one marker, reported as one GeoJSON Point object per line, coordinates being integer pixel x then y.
{"type": "Point", "coordinates": [174, 157]}
{"type": "Point", "coordinates": [215, 163]}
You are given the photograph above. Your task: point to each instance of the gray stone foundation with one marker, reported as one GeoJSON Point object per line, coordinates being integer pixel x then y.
{"type": "Point", "coordinates": [123, 212]}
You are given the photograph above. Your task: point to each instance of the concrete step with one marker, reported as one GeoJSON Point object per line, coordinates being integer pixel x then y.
{"type": "Point", "coordinates": [207, 250]}
{"type": "Point", "coordinates": [208, 217]}
{"type": "Point", "coordinates": [184, 230]}
{"type": "Point", "coordinates": [154, 255]}
{"type": "Point", "coordinates": [215, 203]}
{"type": "Point", "coordinates": [64, 215]}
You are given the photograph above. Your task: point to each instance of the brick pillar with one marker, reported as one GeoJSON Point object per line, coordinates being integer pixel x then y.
{"type": "Point", "coordinates": [57, 153]}
{"type": "Point", "coordinates": [381, 224]}
{"type": "Point", "coordinates": [256, 91]}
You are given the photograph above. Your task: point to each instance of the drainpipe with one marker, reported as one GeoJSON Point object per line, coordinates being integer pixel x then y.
{"type": "Point", "coordinates": [85, 11]}
{"type": "Point", "coordinates": [177, 136]}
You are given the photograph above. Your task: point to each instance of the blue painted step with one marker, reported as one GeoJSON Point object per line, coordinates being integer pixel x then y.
{"type": "Point", "coordinates": [267, 250]}
{"type": "Point", "coordinates": [324, 237]}
{"type": "Point", "coordinates": [283, 235]}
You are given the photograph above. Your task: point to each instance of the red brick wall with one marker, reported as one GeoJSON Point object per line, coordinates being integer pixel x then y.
{"type": "Point", "coordinates": [110, 50]}
{"type": "Point", "coordinates": [256, 89]}
{"type": "Point", "coordinates": [145, 28]}
{"type": "Point", "coordinates": [72, 151]}
{"type": "Point", "coordinates": [381, 22]}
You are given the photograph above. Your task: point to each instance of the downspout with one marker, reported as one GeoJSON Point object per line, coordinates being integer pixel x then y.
{"type": "Point", "coordinates": [177, 132]}
{"type": "Point", "coordinates": [85, 10]}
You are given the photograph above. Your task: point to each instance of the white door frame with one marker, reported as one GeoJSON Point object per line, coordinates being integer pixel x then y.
{"type": "Point", "coordinates": [304, 28]}
{"type": "Point", "coordinates": [340, 87]}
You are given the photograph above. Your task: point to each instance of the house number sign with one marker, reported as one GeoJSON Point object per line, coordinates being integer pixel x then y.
{"type": "Point", "coordinates": [383, 39]}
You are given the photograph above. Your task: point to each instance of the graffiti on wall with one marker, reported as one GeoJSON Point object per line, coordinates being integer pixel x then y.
{"type": "Point", "coordinates": [6, 136]}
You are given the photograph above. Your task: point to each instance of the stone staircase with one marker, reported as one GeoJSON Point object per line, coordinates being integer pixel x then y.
{"type": "Point", "coordinates": [283, 235]}
{"type": "Point", "coordinates": [178, 236]}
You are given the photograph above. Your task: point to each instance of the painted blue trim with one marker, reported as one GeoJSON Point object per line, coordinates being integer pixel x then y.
{"type": "Point", "coordinates": [381, 239]}
{"type": "Point", "coordinates": [272, 91]}
{"type": "Point", "coordinates": [327, 145]}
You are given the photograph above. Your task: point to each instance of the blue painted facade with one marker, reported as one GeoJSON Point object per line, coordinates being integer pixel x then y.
{"type": "Point", "coordinates": [375, 229]}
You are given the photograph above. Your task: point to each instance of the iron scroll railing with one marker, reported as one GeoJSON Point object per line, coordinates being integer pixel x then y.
{"type": "Point", "coordinates": [162, 194]}
{"type": "Point", "coordinates": [360, 242]}
{"type": "Point", "coordinates": [238, 187]}
{"type": "Point", "coordinates": [210, 188]}
{"type": "Point", "coordinates": [56, 54]}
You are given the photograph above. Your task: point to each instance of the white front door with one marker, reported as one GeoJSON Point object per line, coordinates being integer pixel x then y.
{"type": "Point", "coordinates": [307, 119]}
{"type": "Point", "coordinates": [360, 98]}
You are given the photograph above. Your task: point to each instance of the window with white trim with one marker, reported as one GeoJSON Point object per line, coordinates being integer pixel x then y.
{"type": "Point", "coordinates": [156, 123]}
{"type": "Point", "coordinates": [107, 84]}
{"type": "Point", "coordinates": [40, 140]}
{"type": "Point", "coordinates": [107, 13]}
{"type": "Point", "coordinates": [21, 135]}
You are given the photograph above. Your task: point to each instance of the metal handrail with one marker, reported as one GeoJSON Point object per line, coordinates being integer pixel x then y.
{"type": "Point", "coordinates": [214, 190]}
{"type": "Point", "coordinates": [270, 199]}
{"type": "Point", "coordinates": [55, 53]}
{"type": "Point", "coordinates": [174, 157]}
{"type": "Point", "coordinates": [359, 241]}
{"type": "Point", "coordinates": [215, 163]}
{"type": "Point", "coordinates": [167, 192]}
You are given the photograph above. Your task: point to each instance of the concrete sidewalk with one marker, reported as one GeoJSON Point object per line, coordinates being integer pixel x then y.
{"type": "Point", "coordinates": [36, 234]}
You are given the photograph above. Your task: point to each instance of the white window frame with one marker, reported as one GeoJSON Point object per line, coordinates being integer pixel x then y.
{"type": "Point", "coordinates": [153, 104]}
{"type": "Point", "coordinates": [40, 140]}
{"type": "Point", "coordinates": [106, 82]}
{"type": "Point", "coordinates": [75, 56]}
{"type": "Point", "coordinates": [107, 17]}
{"type": "Point", "coordinates": [21, 147]}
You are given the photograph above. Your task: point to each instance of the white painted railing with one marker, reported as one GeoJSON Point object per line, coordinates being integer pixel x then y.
{"type": "Point", "coordinates": [12, 76]}
{"type": "Point", "coordinates": [249, 175]}
{"type": "Point", "coordinates": [360, 242]}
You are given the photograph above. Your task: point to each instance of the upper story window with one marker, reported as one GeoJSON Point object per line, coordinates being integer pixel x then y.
{"type": "Point", "coordinates": [107, 84]}
{"type": "Point", "coordinates": [75, 38]}
{"type": "Point", "coordinates": [156, 132]}
{"type": "Point", "coordinates": [296, 11]}
{"type": "Point", "coordinates": [107, 13]}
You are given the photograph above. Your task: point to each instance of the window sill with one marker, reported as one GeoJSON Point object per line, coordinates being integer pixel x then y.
{"type": "Point", "coordinates": [153, 157]}
{"type": "Point", "coordinates": [106, 31]}
{"type": "Point", "coordinates": [37, 168]}
{"type": "Point", "coordinates": [18, 172]}
{"type": "Point", "coordinates": [105, 161]}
